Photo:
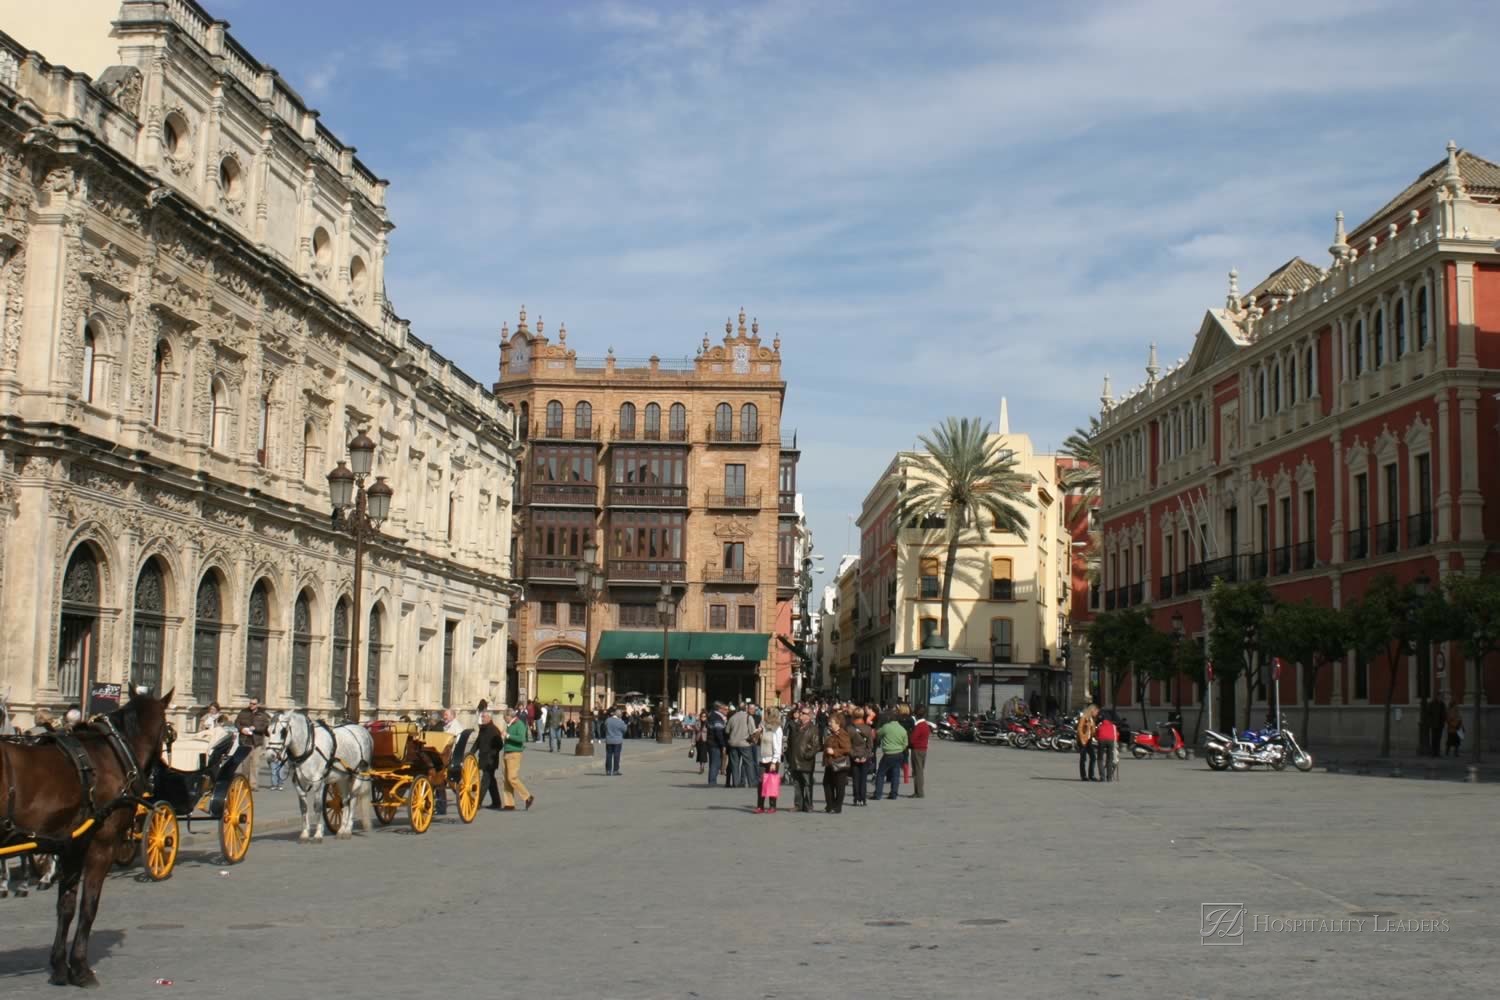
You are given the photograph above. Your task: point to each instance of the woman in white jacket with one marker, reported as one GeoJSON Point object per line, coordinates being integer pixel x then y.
{"type": "Point", "coordinates": [771, 747]}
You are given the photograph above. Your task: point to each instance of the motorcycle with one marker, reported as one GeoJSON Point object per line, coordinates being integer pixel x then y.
{"type": "Point", "coordinates": [1166, 740]}
{"type": "Point", "coordinates": [1241, 751]}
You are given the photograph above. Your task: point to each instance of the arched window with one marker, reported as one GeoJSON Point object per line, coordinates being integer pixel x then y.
{"type": "Point", "coordinates": [1358, 363]}
{"type": "Point", "coordinates": [1291, 380]}
{"type": "Point", "coordinates": [1422, 323]}
{"type": "Point", "coordinates": [89, 344]}
{"type": "Point", "coordinates": [307, 449]}
{"type": "Point", "coordinates": [1400, 323]}
{"type": "Point", "coordinates": [301, 648]}
{"type": "Point", "coordinates": [677, 421]}
{"type": "Point", "coordinates": [150, 624]}
{"type": "Point", "coordinates": [1307, 372]}
{"type": "Point", "coordinates": [263, 439]}
{"type": "Point", "coordinates": [1378, 338]}
{"type": "Point", "coordinates": [723, 422]}
{"type": "Point", "coordinates": [749, 423]}
{"type": "Point", "coordinates": [217, 415]}
{"type": "Point", "coordinates": [554, 419]}
{"type": "Point", "coordinates": [452, 508]}
{"type": "Point", "coordinates": [627, 420]}
{"type": "Point", "coordinates": [78, 633]}
{"type": "Point", "coordinates": [160, 365]}
{"type": "Point", "coordinates": [523, 420]}
{"type": "Point", "coordinates": [339, 674]}
{"type": "Point", "coordinates": [257, 640]}
{"type": "Point", "coordinates": [206, 628]}
{"type": "Point", "coordinates": [1276, 389]}
{"type": "Point", "coordinates": [653, 422]}
{"type": "Point", "coordinates": [583, 419]}
{"type": "Point", "coordinates": [372, 657]}
{"type": "Point", "coordinates": [1260, 394]}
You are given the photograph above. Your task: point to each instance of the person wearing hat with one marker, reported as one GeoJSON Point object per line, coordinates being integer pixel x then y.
{"type": "Point", "coordinates": [515, 743]}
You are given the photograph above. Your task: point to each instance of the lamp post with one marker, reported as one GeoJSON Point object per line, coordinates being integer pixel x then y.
{"type": "Point", "coordinates": [358, 511]}
{"type": "Point", "coordinates": [590, 579]}
{"type": "Point", "coordinates": [666, 607]}
{"type": "Point", "coordinates": [1067, 661]}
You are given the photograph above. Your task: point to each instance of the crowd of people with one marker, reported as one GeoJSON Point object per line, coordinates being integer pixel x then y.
{"type": "Point", "coordinates": [861, 747]}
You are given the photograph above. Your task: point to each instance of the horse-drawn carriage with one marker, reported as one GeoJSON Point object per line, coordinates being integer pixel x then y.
{"type": "Point", "coordinates": [199, 780]}
{"type": "Point", "coordinates": [411, 767]}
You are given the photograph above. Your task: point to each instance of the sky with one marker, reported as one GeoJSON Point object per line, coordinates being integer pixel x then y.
{"type": "Point", "coordinates": [935, 205]}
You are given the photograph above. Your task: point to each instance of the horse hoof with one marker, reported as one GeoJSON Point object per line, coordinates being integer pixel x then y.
{"type": "Point", "coordinates": [86, 979]}
{"type": "Point", "coordinates": [318, 839]}
{"type": "Point", "coordinates": [58, 979]}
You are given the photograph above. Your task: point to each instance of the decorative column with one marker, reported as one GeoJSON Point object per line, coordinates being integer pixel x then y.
{"type": "Point", "coordinates": [1444, 528]}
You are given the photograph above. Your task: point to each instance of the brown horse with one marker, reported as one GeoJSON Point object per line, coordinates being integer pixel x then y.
{"type": "Point", "coordinates": [46, 802]}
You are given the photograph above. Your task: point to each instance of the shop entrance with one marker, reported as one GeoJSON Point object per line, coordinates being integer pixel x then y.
{"type": "Point", "coordinates": [729, 684]}
{"type": "Point", "coordinates": [646, 679]}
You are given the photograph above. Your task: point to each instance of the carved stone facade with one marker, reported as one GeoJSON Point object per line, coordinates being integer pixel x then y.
{"type": "Point", "coordinates": [175, 385]}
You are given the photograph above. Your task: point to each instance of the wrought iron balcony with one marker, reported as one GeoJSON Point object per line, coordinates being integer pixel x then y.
{"type": "Point", "coordinates": [1257, 565]}
{"type": "Point", "coordinates": [1225, 568]}
{"type": "Point", "coordinates": [647, 495]}
{"type": "Point", "coordinates": [645, 570]}
{"type": "Point", "coordinates": [550, 568]}
{"type": "Point", "coordinates": [1387, 538]}
{"type": "Point", "coordinates": [1304, 556]}
{"type": "Point", "coordinates": [786, 577]}
{"type": "Point", "coordinates": [1164, 585]}
{"type": "Point", "coordinates": [580, 494]}
{"type": "Point", "coordinates": [786, 502]}
{"type": "Point", "coordinates": [748, 501]}
{"type": "Point", "coordinates": [716, 434]}
{"type": "Point", "coordinates": [1281, 560]}
{"type": "Point", "coordinates": [1137, 593]}
{"type": "Point", "coordinates": [749, 572]}
{"type": "Point", "coordinates": [1359, 542]}
{"type": "Point", "coordinates": [1419, 529]}
{"type": "Point", "coordinates": [557, 432]}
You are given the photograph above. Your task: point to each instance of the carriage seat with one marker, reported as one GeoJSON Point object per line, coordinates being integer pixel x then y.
{"type": "Point", "coordinates": [438, 741]}
{"type": "Point", "coordinates": [206, 748]}
{"type": "Point", "coordinates": [392, 739]}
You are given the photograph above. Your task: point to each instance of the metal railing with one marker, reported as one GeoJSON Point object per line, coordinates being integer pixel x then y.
{"type": "Point", "coordinates": [786, 502]}
{"type": "Point", "coordinates": [572, 493]}
{"type": "Point", "coordinates": [1281, 560]}
{"type": "Point", "coordinates": [1359, 542]}
{"type": "Point", "coordinates": [749, 572]}
{"type": "Point", "coordinates": [557, 432]}
{"type": "Point", "coordinates": [728, 435]}
{"type": "Point", "coordinates": [550, 568]}
{"type": "Point", "coordinates": [1304, 556]}
{"type": "Point", "coordinates": [645, 570]}
{"type": "Point", "coordinates": [1258, 566]}
{"type": "Point", "coordinates": [1224, 568]}
{"type": "Point", "coordinates": [786, 577]}
{"type": "Point", "coordinates": [1002, 590]}
{"type": "Point", "coordinates": [1164, 585]}
{"type": "Point", "coordinates": [1109, 600]}
{"type": "Point", "coordinates": [1137, 594]}
{"type": "Point", "coordinates": [647, 495]}
{"type": "Point", "coordinates": [1180, 582]}
{"type": "Point", "coordinates": [1387, 537]}
{"type": "Point", "coordinates": [749, 501]}
{"type": "Point", "coordinates": [1419, 529]}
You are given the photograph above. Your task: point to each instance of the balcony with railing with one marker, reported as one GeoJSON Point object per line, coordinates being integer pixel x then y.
{"type": "Point", "coordinates": [786, 577]}
{"type": "Point", "coordinates": [1281, 560]}
{"type": "Point", "coordinates": [647, 495]}
{"type": "Point", "coordinates": [747, 572]}
{"type": "Point", "coordinates": [1224, 568]}
{"type": "Point", "coordinates": [1419, 529]}
{"type": "Point", "coordinates": [1109, 599]}
{"type": "Point", "coordinates": [1387, 538]}
{"type": "Point", "coordinates": [718, 434]}
{"type": "Point", "coordinates": [1180, 582]}
{"type": "Point", "coordinates": [645, 570]}
{"type": "Point", "coordinates": [1359, 542]}
{"type": "Point", "coordinates": [1304, 556]}
{"type": "Point", "coordinates": [576, 494]}
{"type": "Point", "coordinates": [1198, 578]}
{"type": "Point", "coordinates": [786, 502]}
{"type": "Point", "coordinates": [1164, 585]}
{"type": "Point", "coordinates": [1137, 593]}
{"type": "Point", "coordinates": [558, 432]}
{"type": "Point", "coordinates": [550, 568]}
{"type": "Point", "coordinates": [1257, 566]}
{"type": "Point", "coordinates": [732, 501]}
{"type": "Point", "coordinates": [671, 435]}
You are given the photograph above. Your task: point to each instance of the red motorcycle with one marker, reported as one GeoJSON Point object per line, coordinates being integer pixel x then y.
{"type": "Point", "coordinates": [1165, 739]}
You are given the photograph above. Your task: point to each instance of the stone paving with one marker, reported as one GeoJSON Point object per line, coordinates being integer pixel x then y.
{"type": "Point", "coordinates": [1011, 878]}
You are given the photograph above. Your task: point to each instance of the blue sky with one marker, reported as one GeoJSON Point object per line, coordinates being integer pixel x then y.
{"type": "Point", "coordinates": [934, 204]}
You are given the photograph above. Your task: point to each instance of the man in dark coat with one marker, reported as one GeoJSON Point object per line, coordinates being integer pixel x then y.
{"type": "Point", "coordinates": [487, 748]}
{"type": "Point", "coordinates": [802, 746]}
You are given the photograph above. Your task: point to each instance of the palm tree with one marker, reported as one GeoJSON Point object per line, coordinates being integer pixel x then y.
{"type": "Point", "coordinates": [964, 477]}
{"type": "Point", "coordinates": [1083, 447]}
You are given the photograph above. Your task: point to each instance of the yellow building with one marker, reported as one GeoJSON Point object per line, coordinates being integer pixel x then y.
{"type": "Point", "coordinates": [1009, 599]}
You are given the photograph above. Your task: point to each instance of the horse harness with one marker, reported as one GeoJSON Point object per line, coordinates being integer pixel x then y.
{"type": "Point", "coordinates": [330, 760]}
{"type": "Point", "coordinates": [90, 813]}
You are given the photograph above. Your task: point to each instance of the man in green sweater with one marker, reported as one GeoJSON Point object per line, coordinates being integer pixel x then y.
{"type": "Point", "coordinates": [516, 734]}
{"type": "Point", "coordinates": [892, 737]}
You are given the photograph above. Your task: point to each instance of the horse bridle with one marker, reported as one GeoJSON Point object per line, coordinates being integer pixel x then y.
{"type": "Point", "coordinates": [312, 748]}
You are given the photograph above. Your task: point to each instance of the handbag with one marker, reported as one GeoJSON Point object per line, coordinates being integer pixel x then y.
{"type": "Point", "coordinates": [770, 784]}
{"type": "Point", "coordinates": [838, 765]}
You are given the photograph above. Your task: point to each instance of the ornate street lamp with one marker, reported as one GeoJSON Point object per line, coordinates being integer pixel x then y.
{"type": "Point", "coordinates": [360, 512]}
{"type": "Point", "coordinates": [590, 580]}
{"type": "Point", "coordinates": [666, 607]}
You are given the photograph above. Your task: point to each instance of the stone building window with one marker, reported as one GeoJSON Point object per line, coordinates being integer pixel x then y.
{"type": "Point", "coordinates": [677, 422]}
{"type": "Point", "coordinates": [89, 345]}
{"type": "Point", "coordinates": [218, 415]}
{"type": "Point", "coordinates": [149, 627]}
{"type": "Point", "coordinates": [263, 433]}
{"type": "Point", "coordinates": [723, 422]}
{"type": "Point", "coordinates": [206, 629]}
{"type": "Point", "coordinates": [554, 418]}
{"type": "Point", "coordinates": [653, 422]}
{"type": "Point", "coordinates": [160, 367]}
{"type": "Point", "coordinates": [749, 423]}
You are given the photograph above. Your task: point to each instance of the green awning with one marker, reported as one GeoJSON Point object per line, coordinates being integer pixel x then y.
{"type": "Point", "coordinates": [714, 647]}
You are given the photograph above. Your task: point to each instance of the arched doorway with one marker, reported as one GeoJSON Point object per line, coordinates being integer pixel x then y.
{"type": "Point", "coordinates": [206, 629]}
{"type": "Point", "coordinates": [372, 656]}
{"type": "Point", "coordinates": [257, 641]}
{"type": "Point", "coordinates": [149, 628]}
{"type": "Point", "coordinates": [301, 648]}
{"type": "Point", "coordinates": [338, 685]}
{"type": "Point", "coordinates": [78, 639]}
{"type": "Point", "coordinates": [559, 677]}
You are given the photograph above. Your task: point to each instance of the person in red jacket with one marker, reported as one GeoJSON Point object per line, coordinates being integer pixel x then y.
{"type": "Point", "coordinates": [921, 735]}
{"type": "Point", "coordinates": [1108, 737]}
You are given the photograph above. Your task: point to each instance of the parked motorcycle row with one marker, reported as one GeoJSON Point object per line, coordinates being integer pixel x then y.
{"type": "Point", "coordinates": [1269, 747]}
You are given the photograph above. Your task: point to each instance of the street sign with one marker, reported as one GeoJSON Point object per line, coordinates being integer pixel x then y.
{"type": "Point", "coordinates": [1210, 671]}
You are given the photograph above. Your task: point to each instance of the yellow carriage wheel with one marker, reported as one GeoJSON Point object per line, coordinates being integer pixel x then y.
{"type": "Point", "coordinates": [333, 808]}
{"type": "Point", "coordinates": [159, 841]}
{"type": "Point", "coordinates": [237, 821]}
{"type": "Point", "coordinates": [387, 803]}
{"type": "Point", "coordinates": [468, 789]}
{"type": "Point", "coordinates": [420, 804]}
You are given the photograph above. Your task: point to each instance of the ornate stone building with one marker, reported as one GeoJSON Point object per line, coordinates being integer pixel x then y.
{"type": "Point", "coordinates": [192, 327]}
{"type": "Point", "coordinates": [681, 474]}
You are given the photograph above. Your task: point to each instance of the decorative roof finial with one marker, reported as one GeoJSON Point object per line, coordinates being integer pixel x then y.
{"type": "Point", "coordinates": [728, 326]}
{"type": "Point", "coordinates": [742, 321]}
{"type": "Point", "coordinates": [562, 331]}
{"type": "Point", "coordinates": [776, 344]}
{"type": "Point", "coordinates": [1453, 181]}
{"type": "Point", "coordinates": [1232, 300]}
{"type": "Point", "coordinates": [705, 338]}
{"type": "Point", "coordinates": [611, 351]}
{"type": "Point", "coordinates": [505, 330]}
{"type": "Point", "coordinates": [1340, 247]}
{"type": "Point", "coordinates": [521, 324]}
{"type": "Point", "coordinates": [1106, 395]}
{"type": "Point", "coordinates": [538, 324]}
{"type": "Point", "coordinates": [1153, 369]}
{"type": "Point", "coordinates": [755, 326]}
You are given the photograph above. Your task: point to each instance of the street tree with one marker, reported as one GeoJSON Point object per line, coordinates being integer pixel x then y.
{"type": "Point", "coordinates": [1381, 622]}
{"type": "Point", "coordinates": [1309, 634]}
{"type": "Point", "coordinates": [1475, 604]}
{"type": "Point", "coordinates": [969, 481]}
{"type": "Point", "coordinates": [1188, 661]}
{"type": "Point", "coordinates": [1155, 660]}
{"type": "Point", "coordinates": [1084, 479]}
{"type": "Point", "coordinates": [1238, 611]}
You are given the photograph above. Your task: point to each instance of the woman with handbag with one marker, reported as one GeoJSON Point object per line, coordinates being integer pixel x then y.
{"type": "Point", "coordinates": [835, 764]}
{"type": "Point", "coordinates": [861, 748]}
{"type": "Point", "coordinates": [700, 740]}
{"type": "Point", "coordinates": [770, 762]}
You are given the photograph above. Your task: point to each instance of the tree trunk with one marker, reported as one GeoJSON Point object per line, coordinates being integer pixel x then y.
{"type": "Point", "coordinates": [1250, 676]}
{"type": "Point", "coordinates": [1390, 696]}
{"type": "Point", "coordinates": [1309, 690]}
{"type": "Point", "coordinates": [948, 575]}
{"type": "Point", "coordinates": [1141, 692]}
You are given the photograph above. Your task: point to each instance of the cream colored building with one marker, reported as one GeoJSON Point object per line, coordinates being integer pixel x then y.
{"type": "Point", "coordinates": [1009, 600]}
{"type": "Point", "coordinates": [192, 327]}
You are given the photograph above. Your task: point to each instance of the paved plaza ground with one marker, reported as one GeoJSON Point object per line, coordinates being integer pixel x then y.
{"type": "Point", "coordinates": [1011, 878]}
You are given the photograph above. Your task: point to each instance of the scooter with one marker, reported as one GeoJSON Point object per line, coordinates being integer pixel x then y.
{"type": "Point", "coordinates": [1165, 740]}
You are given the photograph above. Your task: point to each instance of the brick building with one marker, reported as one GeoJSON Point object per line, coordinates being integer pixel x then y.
{"type": "Point", "coordinates": [678, 470]}
{"type": "Point", "coordinates": [1329, 425]}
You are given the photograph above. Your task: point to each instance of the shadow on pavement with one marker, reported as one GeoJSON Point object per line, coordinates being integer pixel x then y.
{"type": "Point", "coordinates": [30, 961]}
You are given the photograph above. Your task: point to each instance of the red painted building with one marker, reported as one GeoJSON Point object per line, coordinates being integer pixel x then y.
{"type": "Point", "coordinates": [1329, 425]}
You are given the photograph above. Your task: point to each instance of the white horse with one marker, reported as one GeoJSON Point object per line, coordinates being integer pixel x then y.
{"type": "Point", "coordinates": [321, 755]}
